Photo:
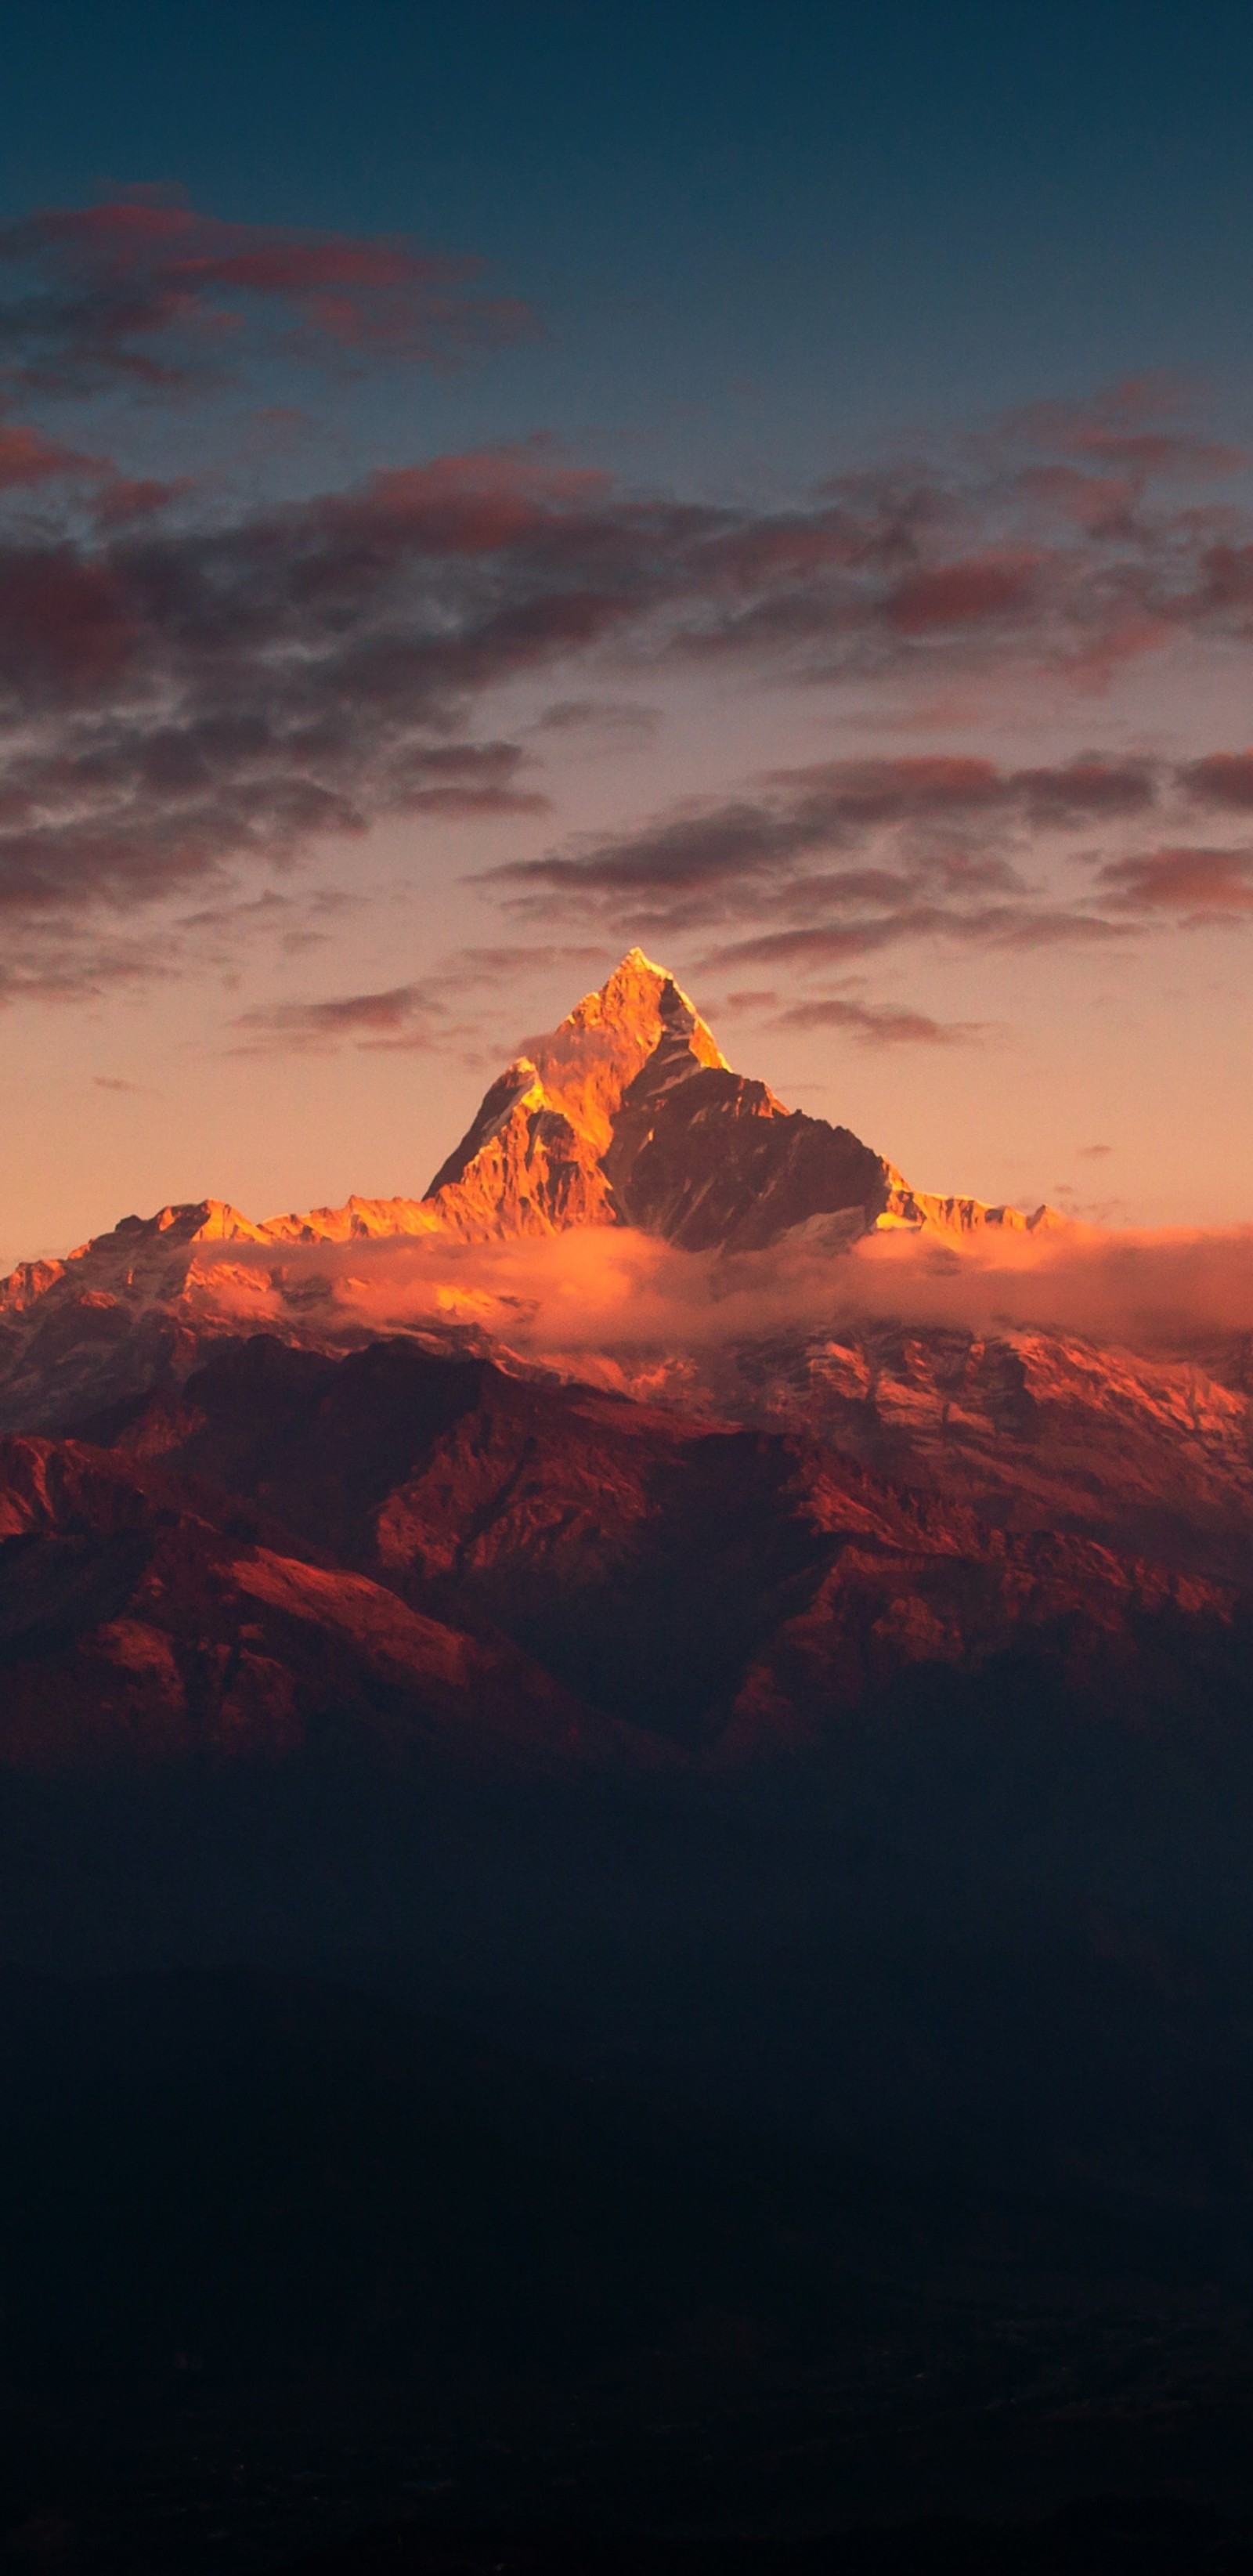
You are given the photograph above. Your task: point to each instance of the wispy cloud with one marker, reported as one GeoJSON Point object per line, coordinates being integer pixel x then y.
{"type": "Point", "coordinates": [688, 862]}
{"type": "Point", "coordinates": [582, 1298]}
{"type": "Point", "coordinates": [1189, 886]}
{"type": "Point", "coordinates": [883, 1024]}
{"type": "Point", "coordinates": [146, 291]}
{"type": "Point", "coordinates": [624, 721]}
{"type": "Point", "coordinates": [845, 859]}
{"type": "Point", "coordinates": [415, 1018]}
{"type": "Point", "coordinates": [405, 1018]}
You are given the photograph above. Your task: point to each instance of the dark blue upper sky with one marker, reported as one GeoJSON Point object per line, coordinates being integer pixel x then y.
{"type": "Point", "coordinates": [759, 237]}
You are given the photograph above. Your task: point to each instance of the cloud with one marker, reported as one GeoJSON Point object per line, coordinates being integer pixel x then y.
{"type": "Point", "coordinates": [1195, 886]}
{"type": "Point", "coordinates": [28, 459]}
{"type": "Point", "coordinates": [932, 844]}
{"type": "Point", "coordinates": [884, 1024]}
{"type": "Point", "coordinates": [1134, 427]}
{"type": "Point", "coordinates": [147, 292]}
{"type": "Point", "coordinates": [122, 499]}
{"type": "Point", "coordinates": [467, 968]}
{"type": "Point", "coordinates": [992, 926]}
{"type": "Point", "coordinates": [581, 1301]}
{"type": "Point", "coordinates": [938, 848]}
{"type": "Point", "coordinates": [412, 1019]}
{"type": "Point", "coordinates": [972, 593]}
{"type": "Point", "coordinates": [691, 857]}
{"type": "Point", "coordinates": [871, 1024]}
{"type": "Point", "coordinates": [838, 805]}
{"type": "Point", "coordinates": [51, 964]}
{"type": "Point", "coordinates": [172, 700]}
{"type": "Point", "coordinates": [184, 690]}
{"type": "Point", "coordinates": [1224, 779]}
{"type": "Point", "coordinates": [624, 719]}
{"type": "Point", "coordinates": [748, 1001]}
{"type": "Point", "coordinates": [403, 1018]}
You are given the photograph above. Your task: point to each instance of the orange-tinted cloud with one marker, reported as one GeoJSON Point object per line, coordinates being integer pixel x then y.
{"type": "Point", "coordinates": [404, 1016]}
{"type": "Point", "coordinates": [28, 458]}
{"type": "Point", "coordinates": [572, 1299]}
{"type": "Point", "coordinates": [1194, 885]}
{"type": "Point", "coordinates": [883, 1024]}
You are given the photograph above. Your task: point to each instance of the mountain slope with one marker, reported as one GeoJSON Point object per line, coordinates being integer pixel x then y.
{"type": "Point", "coordinates": [329, 1534]}
{"type": "Point", "coordinates": [144, 1621]}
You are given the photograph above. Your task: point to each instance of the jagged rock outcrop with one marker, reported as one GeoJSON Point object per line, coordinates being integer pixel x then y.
{"type": "Point", "coordinates": [537, 1158]}
{"type": "Point", "coordinates": [629, 1115]}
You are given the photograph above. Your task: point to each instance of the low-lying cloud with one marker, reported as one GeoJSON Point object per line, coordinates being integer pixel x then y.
{"type": "Point", "coordinates": [576, 1300]}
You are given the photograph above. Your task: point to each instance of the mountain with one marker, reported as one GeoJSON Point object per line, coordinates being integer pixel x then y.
{"type": "Point", "coordinates": [1149, 1451]}
{"type": "Point", "coordinates": [629, 1115]}
{"type": "Point", "coordinates": [626, 1115]}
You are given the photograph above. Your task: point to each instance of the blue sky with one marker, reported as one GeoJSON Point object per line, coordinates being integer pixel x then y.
{"type": "Point", "coordinates": [757, 236]}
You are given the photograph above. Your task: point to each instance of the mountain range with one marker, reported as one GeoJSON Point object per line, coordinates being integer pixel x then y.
{"type": "Point", "coordinates": [236, 1511]}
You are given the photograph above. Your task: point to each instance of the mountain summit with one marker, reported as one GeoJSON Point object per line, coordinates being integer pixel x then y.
{"type": "Point", "coordinates": [536, 1158]}
{"type": "Point", "coordinates": [628, 1114]}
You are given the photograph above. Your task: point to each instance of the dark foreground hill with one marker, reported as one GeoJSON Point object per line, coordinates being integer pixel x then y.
{"type": "Point", "coordinates": [1110, 2537]}
{"type": "Point", "coordinates": [282, 2261]}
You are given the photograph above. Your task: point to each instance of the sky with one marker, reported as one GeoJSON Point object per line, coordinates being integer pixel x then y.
{"type": "Point", "coordinates": [483, 486]}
